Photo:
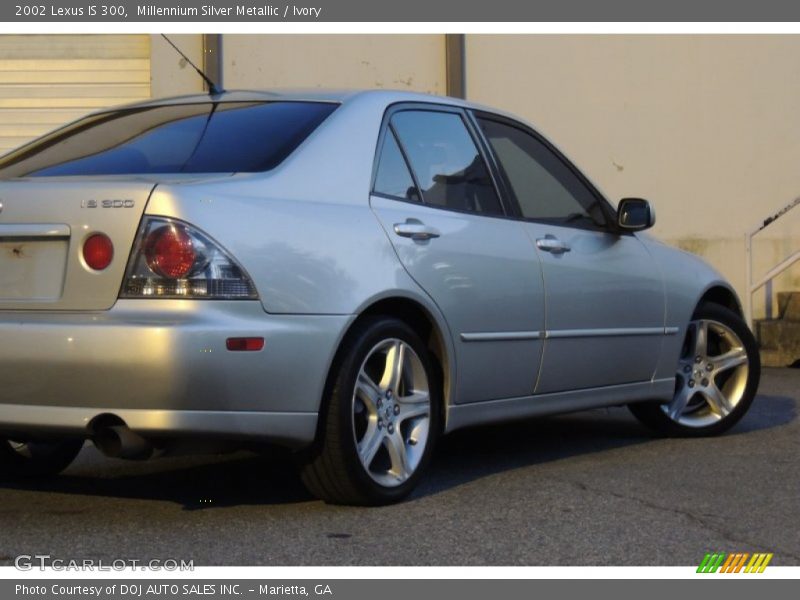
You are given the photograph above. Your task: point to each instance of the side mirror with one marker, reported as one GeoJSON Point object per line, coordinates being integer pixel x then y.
{"type": "Point", "coordinates": [635, 214]}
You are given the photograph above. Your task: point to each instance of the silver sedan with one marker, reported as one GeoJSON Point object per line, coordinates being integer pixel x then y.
{"type": "Point", "coordinates": [348, 275]}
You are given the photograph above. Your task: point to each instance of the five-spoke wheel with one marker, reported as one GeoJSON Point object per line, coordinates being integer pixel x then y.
{"type": "Point", "coordinates": [380, 417]}
{"type": "Point", "coordinates": [716, 378]}
{"type": "Point", "coordinates": [711, 376]}
{"type": "Point", "coordinates": [391, 412]}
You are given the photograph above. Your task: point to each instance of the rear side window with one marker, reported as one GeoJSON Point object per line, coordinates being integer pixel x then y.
{"type": "Point", "coordinates": [208, 137]}
{"type": "Point", "coordinates": [393, 178]}
{"type": "Point", "coordinates": [449, 169]}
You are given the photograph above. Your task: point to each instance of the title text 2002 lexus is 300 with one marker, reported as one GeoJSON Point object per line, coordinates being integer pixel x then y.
{"type": "Point", "coordinates": [348, 275]}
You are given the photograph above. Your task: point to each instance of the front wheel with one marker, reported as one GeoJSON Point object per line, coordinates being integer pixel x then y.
{"type": "Point", "coordinates": [716, 378]}
{"type": "Point", "coordinates": [380, 420]}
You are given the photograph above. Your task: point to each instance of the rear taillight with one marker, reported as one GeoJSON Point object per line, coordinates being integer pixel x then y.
{"type": "Point", "coordinates": [174, 260]}
{"type": "Point", "coordinates": [98, 251]}
{"type": "Point", "coordinates": [169, 252]}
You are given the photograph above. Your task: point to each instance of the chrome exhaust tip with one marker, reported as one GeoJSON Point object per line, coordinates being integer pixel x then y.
{"type": "Point", "coordinates": [118, 441]}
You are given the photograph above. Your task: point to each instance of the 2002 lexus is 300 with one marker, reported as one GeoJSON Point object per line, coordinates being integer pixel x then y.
{"type": "Point", "coordinates": [348, 275]}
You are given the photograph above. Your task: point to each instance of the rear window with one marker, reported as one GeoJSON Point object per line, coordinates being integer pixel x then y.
{"type": "Point", "coordinates": [208, 137]}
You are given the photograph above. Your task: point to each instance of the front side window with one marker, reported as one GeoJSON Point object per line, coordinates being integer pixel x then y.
{"type": "Point", "coordinates": [544, 186]}
{"type": "Point", "coordinates": [206, 137]}
{"type": "Point", "coordinates": [449, 168]}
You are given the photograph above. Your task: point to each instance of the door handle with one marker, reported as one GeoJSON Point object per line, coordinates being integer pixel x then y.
{"type": "Point", "coordinates": [552, 244]}
{"type": "Point", "coordinates": [416, 230]}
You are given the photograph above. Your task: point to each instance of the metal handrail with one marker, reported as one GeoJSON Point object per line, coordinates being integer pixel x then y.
{"type": "Point", "coordinates": [773, 272]}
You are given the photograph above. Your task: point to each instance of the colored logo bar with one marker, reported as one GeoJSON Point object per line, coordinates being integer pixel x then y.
{"type": "Point", "coordinates": [737, 562]}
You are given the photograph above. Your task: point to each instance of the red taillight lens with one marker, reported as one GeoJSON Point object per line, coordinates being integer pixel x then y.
{"type": "Point", "coordinates": [172, 259]}
{"type": "Point", "coordinates": [98, 251]}
{"type": "Point", "coordinates": [169, 252]}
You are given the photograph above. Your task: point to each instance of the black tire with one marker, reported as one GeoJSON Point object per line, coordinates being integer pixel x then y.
{"type": "Point", "coordinates": [31, 460]}
{"type": "Point", "coordinates": [653, 414]}
{"type": "Point", "coordinates": [332, 469]}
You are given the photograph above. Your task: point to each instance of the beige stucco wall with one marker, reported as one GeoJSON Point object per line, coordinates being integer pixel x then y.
{"type": "Point", "coordinates": [413, 62]}
{"type": "Point", "coordinates": [706, 127]}
{"type": "Point", "coordinates": [170, 75]}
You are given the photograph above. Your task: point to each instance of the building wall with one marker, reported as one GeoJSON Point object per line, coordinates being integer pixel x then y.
{"type": "Point", "coordinates": [170, 74]}
{"type": "Point", "coordinates": [703, 126]}
{"type": "Point", "coordinates": [46, 81]}
{"type": "Point", "coordinates": [410, 62]}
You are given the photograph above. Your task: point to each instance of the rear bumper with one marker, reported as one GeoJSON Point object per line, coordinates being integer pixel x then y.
{"type": "Point", "coordinates": [293, 429]}
{"type": "Point", "coordinates": [162, 367]}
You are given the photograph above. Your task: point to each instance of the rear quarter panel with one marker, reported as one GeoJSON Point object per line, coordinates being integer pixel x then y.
{"type": "Point", "coordinates": [305, 257]}
{"type": "Point", "coordinates": [305, 232]}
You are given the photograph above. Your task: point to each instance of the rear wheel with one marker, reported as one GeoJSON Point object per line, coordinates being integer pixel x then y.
{"type": "Point", "coordinates": [36, 459]}
{"type": "Point", "coordinates": [716, 378]}
{"type": "Point", "coordinates": [381, 418]}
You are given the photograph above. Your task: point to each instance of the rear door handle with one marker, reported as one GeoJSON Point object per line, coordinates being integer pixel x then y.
{"type": "Point", "coordinates": [552, 244]}
{"type": "Point", "coordinates": [416, 230]}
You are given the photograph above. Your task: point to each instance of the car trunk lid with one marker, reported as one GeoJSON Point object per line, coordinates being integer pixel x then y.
{"type": "Point", "coordinates": [43, 225]}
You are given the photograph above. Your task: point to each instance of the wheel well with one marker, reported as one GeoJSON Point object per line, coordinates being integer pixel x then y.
{"type": "Point", "coordinates": [724, 297]}
{"type": "Point", "coordinates": [423, 324]}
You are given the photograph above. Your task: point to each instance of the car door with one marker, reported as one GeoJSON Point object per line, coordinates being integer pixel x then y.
{"type": "Point", "coordinates": [604, 294]}
{"type": "Point", "coordinates": [439, 205]}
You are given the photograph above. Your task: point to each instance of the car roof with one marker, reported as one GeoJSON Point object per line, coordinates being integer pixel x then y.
{"type": "Point", "coordinates": [386, 97]}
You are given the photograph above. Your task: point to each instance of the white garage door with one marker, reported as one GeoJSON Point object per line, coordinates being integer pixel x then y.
{"type": "Point", "coordinates": [49, 80]}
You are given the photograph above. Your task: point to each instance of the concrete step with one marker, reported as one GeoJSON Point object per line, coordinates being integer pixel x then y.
{"type": "Point", "coordinates": [789, 306]}
{"type": "Point", "coordinates": [776, 358]}
{"type": "Point", "coordinates": [779, 340]}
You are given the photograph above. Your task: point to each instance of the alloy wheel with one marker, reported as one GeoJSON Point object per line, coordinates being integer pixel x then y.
{"type": "Point", "coordinates": [711, 377]}
{"type": "Point", "coordinates": [391, 412]}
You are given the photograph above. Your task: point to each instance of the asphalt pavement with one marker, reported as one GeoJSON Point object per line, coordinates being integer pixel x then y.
{"type": "Point", "coordinates": [592, 488]}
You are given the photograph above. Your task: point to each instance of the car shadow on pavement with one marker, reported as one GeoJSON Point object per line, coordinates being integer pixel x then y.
{"type": "Point", "coordinates": [471, 454]}
{"type": "Point", "coordinates": [206, 482]}
{"type": "Point", "coordinates": [195, 482]}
